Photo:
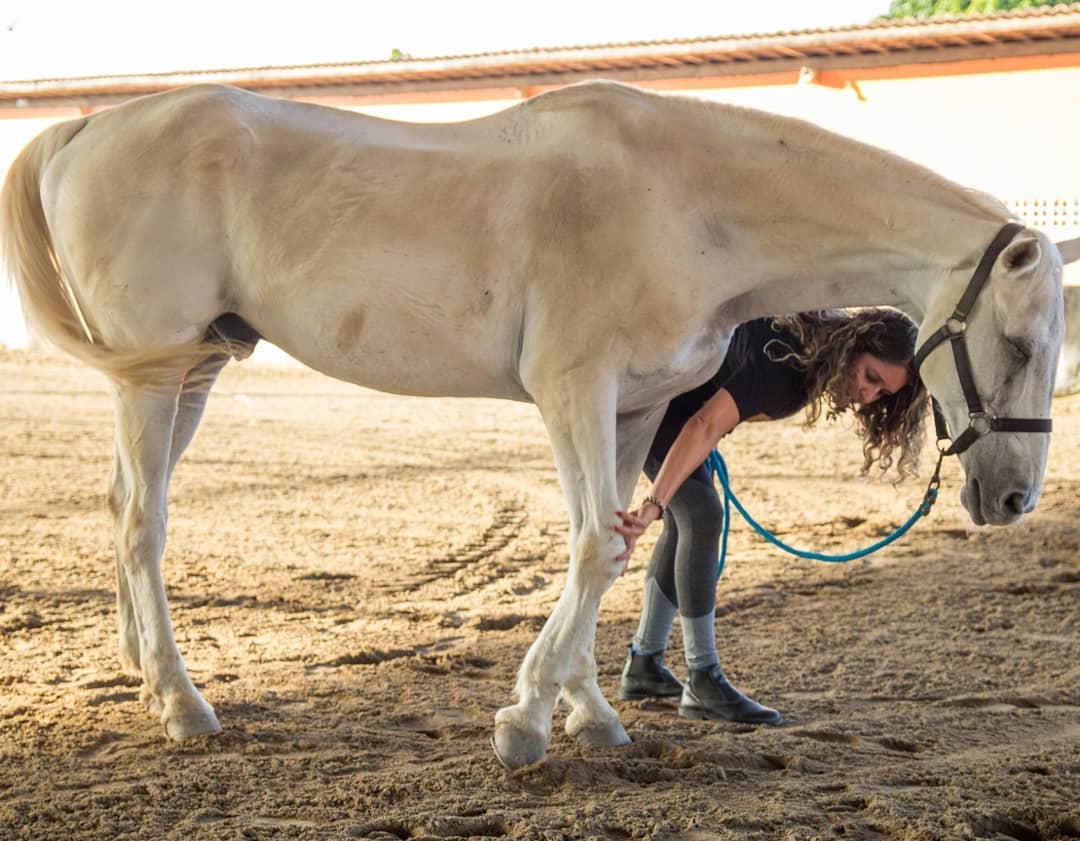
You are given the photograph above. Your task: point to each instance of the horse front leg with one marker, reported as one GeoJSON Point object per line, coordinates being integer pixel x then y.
{"type": "Point", "coordinates": [580, 419]}
{"type": "Point", "coordinates": [145, 422]}
{"type": "Point", "coordinates": [633, 435]}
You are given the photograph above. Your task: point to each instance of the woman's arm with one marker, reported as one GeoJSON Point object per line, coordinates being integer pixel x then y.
{"type": "Point", "coordinates": [696, 440]}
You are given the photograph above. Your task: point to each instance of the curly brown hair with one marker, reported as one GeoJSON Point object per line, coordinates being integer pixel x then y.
{"type": "Point", "coordinates": [892, 427]}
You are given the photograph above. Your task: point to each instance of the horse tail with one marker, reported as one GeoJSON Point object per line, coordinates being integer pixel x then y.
{"type": "Point", "coordinates": [48, 300]}
{"type": "Point", "coordinates": [28, 251]}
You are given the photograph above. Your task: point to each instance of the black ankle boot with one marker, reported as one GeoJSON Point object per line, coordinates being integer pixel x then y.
{"type": "Point", "coordinates": [709, 695]}
{"type": "Point", "coordinates": [645, 676]}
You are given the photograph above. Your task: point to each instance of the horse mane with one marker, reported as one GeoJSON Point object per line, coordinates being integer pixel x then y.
{"type": "Point", "coordinates": [826, 141]}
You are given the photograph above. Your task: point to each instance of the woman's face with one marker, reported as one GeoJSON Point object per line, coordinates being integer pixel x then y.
{"type": "Point", "coordinates": [872, 378]}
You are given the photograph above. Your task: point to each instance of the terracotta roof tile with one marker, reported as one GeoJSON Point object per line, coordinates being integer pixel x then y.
{"type": "Point", "coordinates": [1053, 28]}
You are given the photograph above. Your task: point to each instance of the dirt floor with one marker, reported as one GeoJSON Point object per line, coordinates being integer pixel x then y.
{"type": "Point", "coordinates": [355, 577]}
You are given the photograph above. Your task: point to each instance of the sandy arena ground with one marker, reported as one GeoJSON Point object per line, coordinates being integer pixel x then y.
{"type": "Point", "coordinates": [355, 577]}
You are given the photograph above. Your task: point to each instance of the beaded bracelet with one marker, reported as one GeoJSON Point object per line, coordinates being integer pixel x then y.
{"type": "Point", "coordinates": [654, 501]}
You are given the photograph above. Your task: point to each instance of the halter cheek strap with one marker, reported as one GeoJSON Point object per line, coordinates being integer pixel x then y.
{"type": "Point", "coordinates": [980, 422]}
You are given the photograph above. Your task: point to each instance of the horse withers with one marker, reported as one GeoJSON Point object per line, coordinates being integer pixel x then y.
{"type": "Point", "coordinates": [590, 250]}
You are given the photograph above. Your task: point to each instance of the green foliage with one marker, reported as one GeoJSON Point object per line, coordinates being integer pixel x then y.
{"type": "Point", "coordinates": [933, 8]}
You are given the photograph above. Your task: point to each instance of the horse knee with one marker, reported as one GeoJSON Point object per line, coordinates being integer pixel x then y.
{"type": "Point", "coordinates": [594, 558]}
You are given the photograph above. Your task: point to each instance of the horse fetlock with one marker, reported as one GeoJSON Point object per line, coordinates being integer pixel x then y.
{"type": "Point", "coordinates": [593, 720]}
{"type": "Point", "coordinates": [151, 700]}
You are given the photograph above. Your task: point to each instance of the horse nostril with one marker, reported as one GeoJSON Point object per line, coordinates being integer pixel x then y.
{"type": "Point", "coordinates": [1016, 503]}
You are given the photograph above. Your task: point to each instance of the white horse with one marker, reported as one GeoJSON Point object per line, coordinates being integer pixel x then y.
{"type": "Point", "coordinates": [590, 250]}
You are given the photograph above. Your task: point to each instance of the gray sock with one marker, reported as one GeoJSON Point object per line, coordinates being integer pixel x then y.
{"type": "Point", "coordinates": [657, 615]}
{"type": "Point", "coordinates": [699, 641]}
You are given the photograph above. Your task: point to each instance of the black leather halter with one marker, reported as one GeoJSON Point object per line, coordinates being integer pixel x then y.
{"type": "Point", "coordinates": [980, 422]}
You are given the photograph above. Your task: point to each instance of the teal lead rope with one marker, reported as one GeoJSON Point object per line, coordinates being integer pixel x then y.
{"type": "Point", "coordinates": [716, 467]}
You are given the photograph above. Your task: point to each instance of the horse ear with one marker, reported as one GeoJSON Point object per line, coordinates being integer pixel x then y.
{"type": "Point", "coordinates": [1021, 256]}
{"type": "Point", "coordinates": [1070, 250]}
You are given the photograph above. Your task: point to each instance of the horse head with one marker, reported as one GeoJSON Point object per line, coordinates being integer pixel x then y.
{"type": "Point", "coordinates": [988, 351]}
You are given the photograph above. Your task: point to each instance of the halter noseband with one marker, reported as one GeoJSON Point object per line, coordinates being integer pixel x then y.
{"type": "Point", "coordinates": [980, 422]}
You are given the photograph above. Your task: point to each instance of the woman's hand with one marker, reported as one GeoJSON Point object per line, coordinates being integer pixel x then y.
{"type": "Point", "coordinates": [699, 435]}
{"type": "Point", "coordinates": [633, 525]}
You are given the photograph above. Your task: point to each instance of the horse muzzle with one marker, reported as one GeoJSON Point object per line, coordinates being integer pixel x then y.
{"type": "Point", "coordinates": [997, 503]}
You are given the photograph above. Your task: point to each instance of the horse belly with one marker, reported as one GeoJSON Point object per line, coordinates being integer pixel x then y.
{"type": "Point", "coordinates": [400, 337]}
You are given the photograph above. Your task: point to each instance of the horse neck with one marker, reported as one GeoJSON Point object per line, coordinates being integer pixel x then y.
{"type": "Point", "coordinates": [811, 219]}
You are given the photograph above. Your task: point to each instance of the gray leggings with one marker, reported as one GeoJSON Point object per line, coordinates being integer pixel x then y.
{"type": "Point", "coordinates": [682, 573]}
{"type": "Point", "coordinates": [684, 561]}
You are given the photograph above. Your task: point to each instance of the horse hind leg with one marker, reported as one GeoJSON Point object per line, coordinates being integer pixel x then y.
{"type": "Point", "coordinates": [125, 615]}
{"type": "Point", "coordinates": [192, 403]}
{"type": "Point", "coordinates": [190, 406]}
{"type": "Point", "coordinates": [153, 427]}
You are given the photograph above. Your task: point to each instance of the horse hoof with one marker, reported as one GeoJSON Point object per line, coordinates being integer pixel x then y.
{"type": "Point", "coordinates": [187, 724]}
{"type": "Point", "coordinates": [515, 748]}
{"type": "Point", "coordinates": [610, 734]}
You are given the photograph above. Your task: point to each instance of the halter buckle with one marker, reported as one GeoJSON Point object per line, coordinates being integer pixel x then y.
{"type": "Point", "coordinates": [955, 326]}
{"type": "Point", "coordinates": [981, 422]}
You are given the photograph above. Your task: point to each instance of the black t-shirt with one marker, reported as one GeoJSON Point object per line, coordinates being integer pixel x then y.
{"type": "Point", "coordinates": [758, 384]}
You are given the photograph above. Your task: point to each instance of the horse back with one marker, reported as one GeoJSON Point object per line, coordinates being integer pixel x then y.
{"type": "Point", "coordinates": [406, 257]}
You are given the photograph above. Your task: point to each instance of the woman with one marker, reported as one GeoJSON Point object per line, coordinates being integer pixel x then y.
{"type": "Point", "coordinates": [857, 361]}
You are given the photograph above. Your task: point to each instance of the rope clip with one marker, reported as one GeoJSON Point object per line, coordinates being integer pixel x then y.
{"type": "Point", "coordinates": [931, 495]}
